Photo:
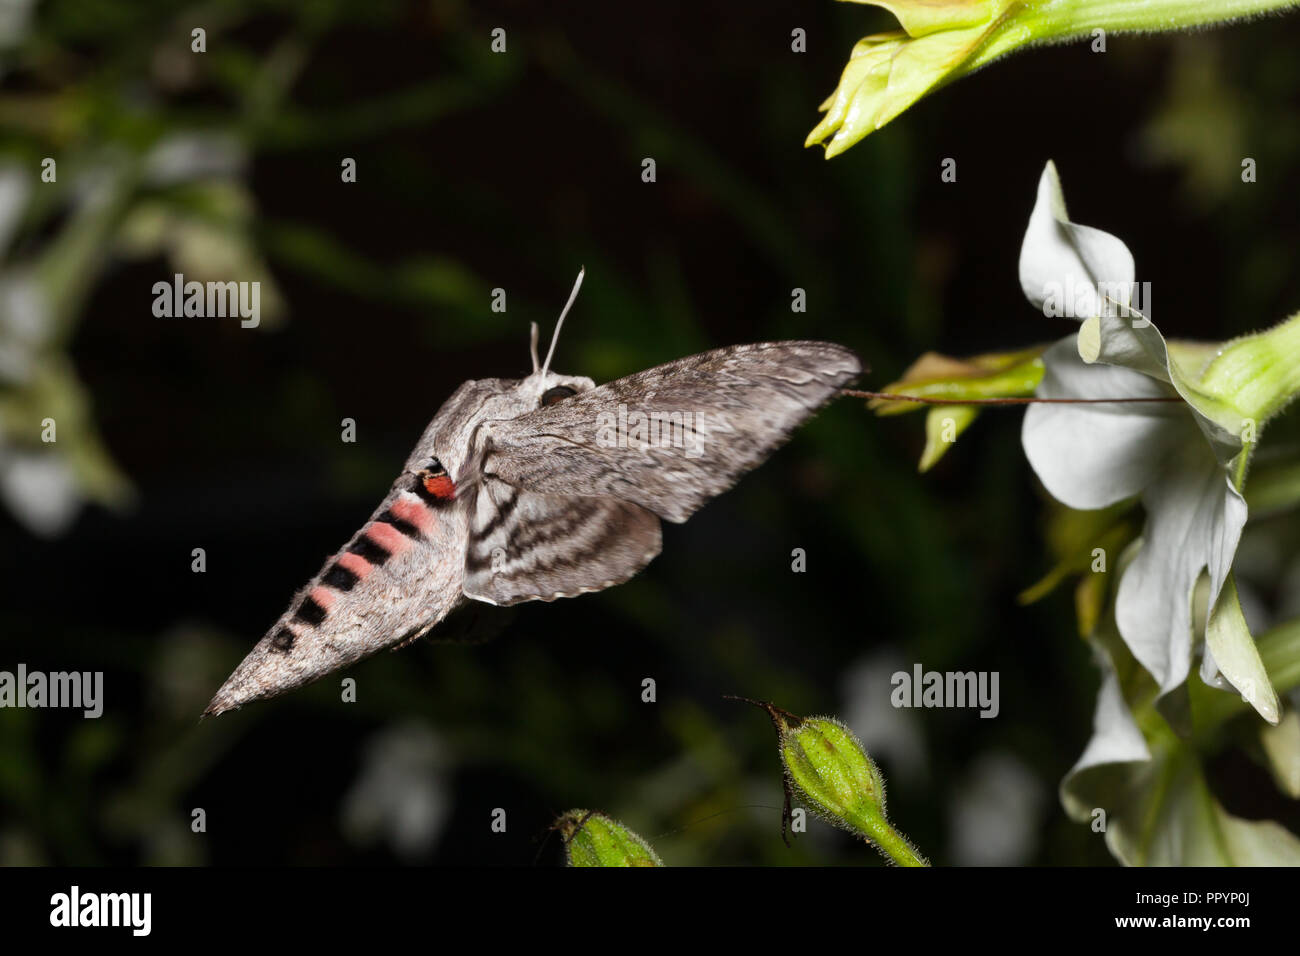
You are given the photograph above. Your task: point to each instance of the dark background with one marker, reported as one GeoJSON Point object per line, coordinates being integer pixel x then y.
{"type": "Point", "coordinates": [478, 171]}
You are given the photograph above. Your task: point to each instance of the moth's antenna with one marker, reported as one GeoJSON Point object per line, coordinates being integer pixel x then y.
{"type": "Point", "coordinates": [568, 305]}
{"type": "Point", "coordinates": [532, 344]}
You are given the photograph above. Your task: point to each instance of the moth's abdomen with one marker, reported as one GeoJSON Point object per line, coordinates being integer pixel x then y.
{"type": "Point", "coordinates": [400, 574]}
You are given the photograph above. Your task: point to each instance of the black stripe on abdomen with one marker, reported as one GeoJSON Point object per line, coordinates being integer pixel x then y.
{"type": "Point", "coordinates": [309, 611]}
{"type": "Point", "coordinates": [408, 529]}
{"type": "Point", "coordinates": [372, 552]}
{"type": "Point", "coordinates": [339, 578]}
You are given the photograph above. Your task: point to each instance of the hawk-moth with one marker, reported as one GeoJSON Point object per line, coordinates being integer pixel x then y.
{"type": "Point", "coordinates": [537, 488]}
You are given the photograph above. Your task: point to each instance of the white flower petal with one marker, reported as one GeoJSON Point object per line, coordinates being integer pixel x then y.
{"type": "Point", "coordinates": [1090, 456]}
{"type": "Point", "coordinates": [1057, 254]}
{"type": "Point", "coordinates": [1135, 343]}
{"type": "Point", "coordinates": [1115, 734]}
{"type": "Point", "coordinates": [1178, 455]}
{"type": "Point", "coordinates": [1089, 275]}
{"type": "Point", "coordinates": [1194, 521]}
{"type": "Point", "coordinates": [1128, 341]}
{"type": "Point", "coordinates": [1116, 739]}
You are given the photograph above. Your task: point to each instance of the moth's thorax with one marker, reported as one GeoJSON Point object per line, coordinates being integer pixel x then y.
{"type": "Point", "coordinates": [451, 435]}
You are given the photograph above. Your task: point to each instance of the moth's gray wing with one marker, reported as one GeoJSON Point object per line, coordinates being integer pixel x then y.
{"type": "Point", "coordinates": [527, 546]}
{"type": "Point", "coordinates": [721, 413]}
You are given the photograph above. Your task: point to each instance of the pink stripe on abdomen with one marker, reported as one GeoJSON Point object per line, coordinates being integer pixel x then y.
{"type": "Point", "coordinates": [387, 537]}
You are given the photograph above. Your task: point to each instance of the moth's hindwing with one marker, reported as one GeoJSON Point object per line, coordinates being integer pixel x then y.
{"type": "Point", "coordinates": [527, 546]}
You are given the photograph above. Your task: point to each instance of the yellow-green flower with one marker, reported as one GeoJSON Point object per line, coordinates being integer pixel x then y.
{"type": "Point", "coordinates": [943, 40]}
{"type": "Point", "coordinates": [888, 72]}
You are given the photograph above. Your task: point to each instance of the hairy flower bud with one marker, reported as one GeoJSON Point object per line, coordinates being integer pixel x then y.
{"type": "Point", "coordinates": [593, 839]}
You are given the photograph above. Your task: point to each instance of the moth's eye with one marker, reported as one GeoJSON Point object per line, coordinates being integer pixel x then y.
{"type": "Point", "coordinates": [434, 468]}
{"type": "Point", "coordinates": [557, 394]}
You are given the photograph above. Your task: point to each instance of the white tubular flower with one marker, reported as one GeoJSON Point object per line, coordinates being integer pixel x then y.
{"type": "Point", "coordinates": [1185, 458]}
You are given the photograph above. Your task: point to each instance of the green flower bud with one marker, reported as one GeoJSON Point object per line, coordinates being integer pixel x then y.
{"type": "Point", "coordinates": [1257, 374]}
{"type": "Point", "coordinates": [828, 767]}
{"type": "Point", "coordinates": [593, 839]}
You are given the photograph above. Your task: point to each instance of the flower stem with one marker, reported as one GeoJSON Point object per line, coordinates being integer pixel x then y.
{"type": "Point", "coordinates": [1057, 20]}
{"type": "Point", "coordinates": [894, 845]}
{"type": "Point", "coordinates": [1086, 15]}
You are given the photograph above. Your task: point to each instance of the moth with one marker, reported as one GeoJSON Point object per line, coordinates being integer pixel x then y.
{"type": "Point", "coordinates": [539, 488]}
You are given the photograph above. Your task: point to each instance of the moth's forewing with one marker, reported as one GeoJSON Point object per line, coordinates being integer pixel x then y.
{"type": "Point", "coordinates": [725, 411]}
